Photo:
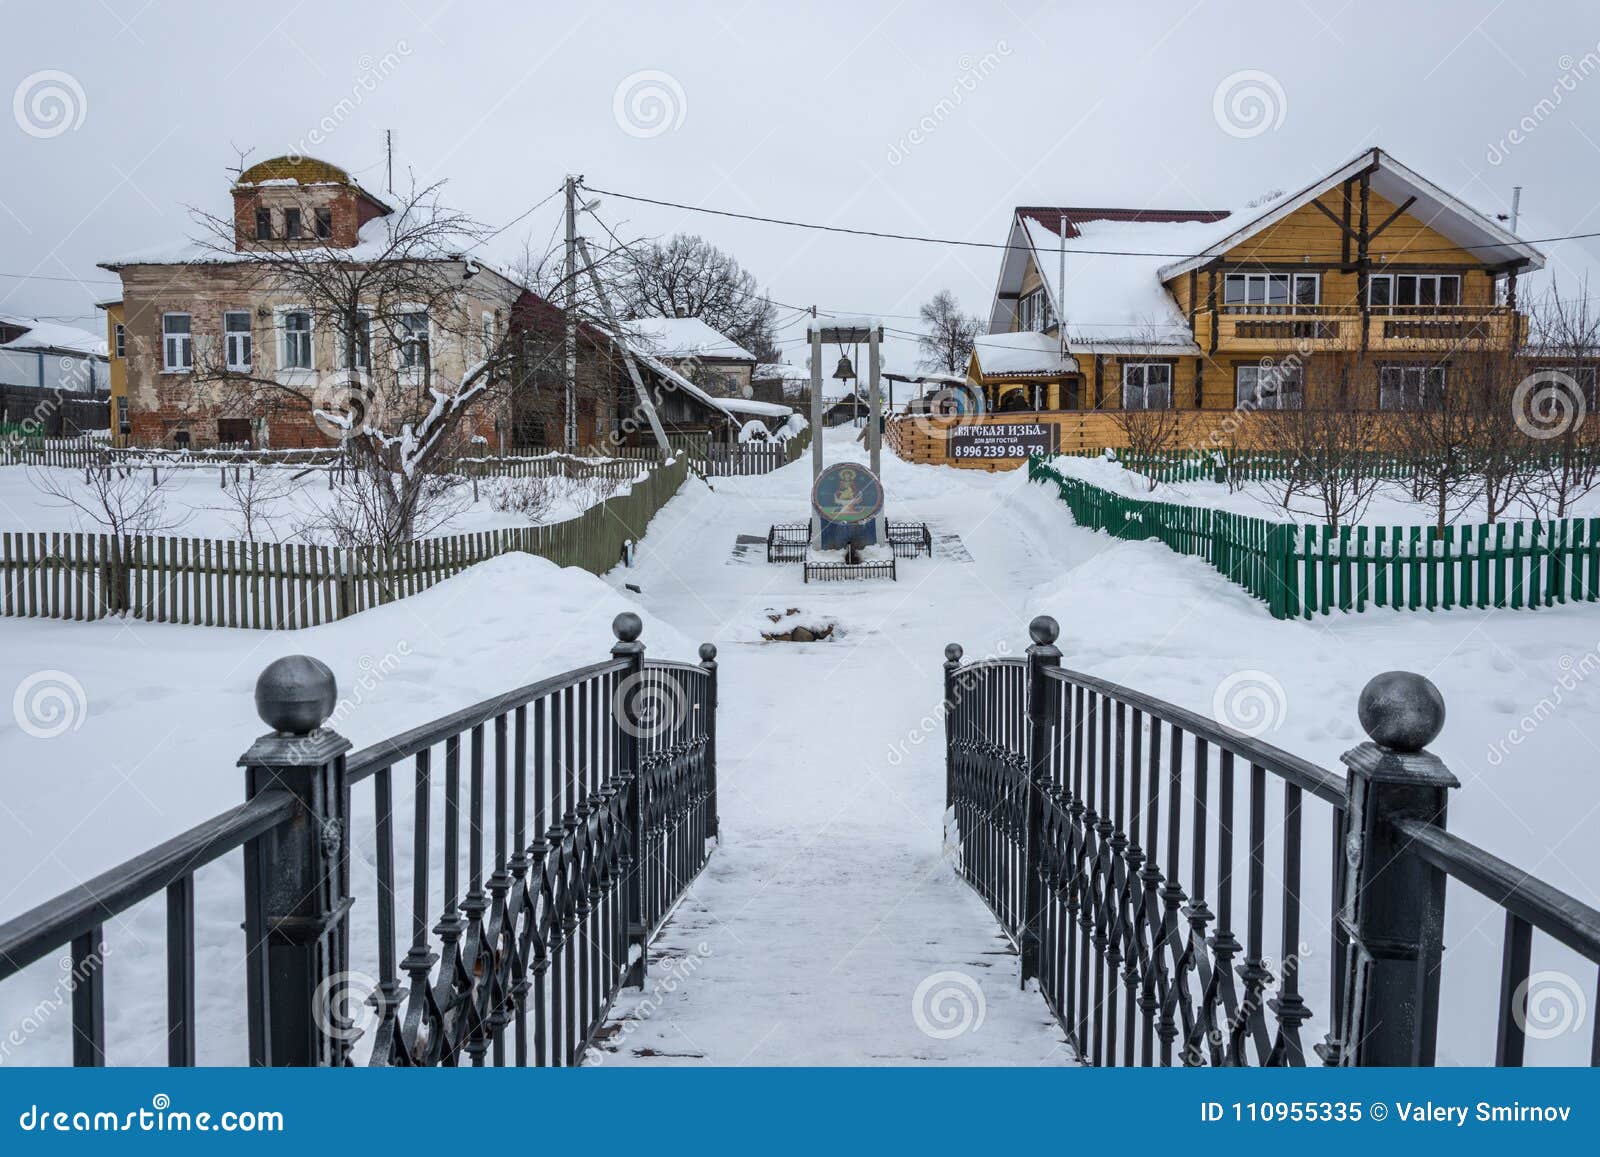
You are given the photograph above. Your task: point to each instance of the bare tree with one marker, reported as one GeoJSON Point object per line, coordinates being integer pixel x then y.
{"type": "Point", "coordinates": [389, 301]}
{"type": "Point", "coordinates": [1437, 440]}
{"type": "Point", "coordinates": [251, 500]}
{"type": "Point", "coordinates": [688, 276]}
{"type": "Point", "coordinates": [947, 344]}
{"type": "Point", "coordinates": [120, 500]}
{"type": "Point", "coordinates": [1558, 397]}
{"type": "Point", "coordinates": [1503, 456]}
{"type": "Point", "coordinates": [1329, 442]}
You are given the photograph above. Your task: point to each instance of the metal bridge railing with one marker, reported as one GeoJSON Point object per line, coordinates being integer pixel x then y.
{"type": "Point", "coordinates": [581, 807]}
{"type": "Point", "coordinates": [1123, 844]}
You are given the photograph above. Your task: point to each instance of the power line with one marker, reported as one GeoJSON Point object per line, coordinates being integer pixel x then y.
{"type": "Point", "coordinates": [924, 239]}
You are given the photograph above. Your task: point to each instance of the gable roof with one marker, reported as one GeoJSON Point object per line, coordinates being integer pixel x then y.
{"type": "Point", "coordinates": [1439, 210]}
{"type": "Point", "coordinates": [52, 337]}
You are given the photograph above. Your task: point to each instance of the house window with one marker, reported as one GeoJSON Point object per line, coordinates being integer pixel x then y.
{"type": "Point", "coordinates": [119, 340]}
{"type": "Point", "coordinates": [488, 335]}
{"type": "Point", "coordinates": [291, 224]}
{"type": "Point", "coordinates": [1033, 311]}
{"type": "Point", "coordinates": [177, 345]}
{"type": "Point", "coordinates": [1411, 388]}
{"type": "Point", "coordinates": [362, 349]}
{"type": "Point", "coordinates": [324, 222]}
{"type": "Point", "coordinates": [296, 340]}
{"type": "Point", "coordinates": [414, 341]}
{"type": "Point", "coordinates": [263, 224]}
{"type": "Point", "coordinates": [236, 340]}
{"type": "Point", "coordinates": [1147, 386]}
{"type": "Point", "coordinates": [1552, 377]}
{"type": "Point", "coordinates": [1271, 292]}
{"type": "Point", "coordinates": [1416, 292]}
{"type": "Point", "coordinates": [1268, 387]}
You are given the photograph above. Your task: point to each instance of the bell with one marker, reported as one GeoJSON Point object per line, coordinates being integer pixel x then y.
{"type": "Point", "coordinates": [846, 371]}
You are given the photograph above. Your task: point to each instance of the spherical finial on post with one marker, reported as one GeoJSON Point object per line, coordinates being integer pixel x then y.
{"type": "Point", "coordinates": [1401, 711]}
{"type": "Point", "coordinates": [708, 652]}
{"type": "Point", "coordinates": [1044, 630]}
{"type": "Point", "coordinates": [295, 695]}
{"type": "Point", "coordinates": [627, 627]}
{"type": "Point", "coordinates": [953, 653]}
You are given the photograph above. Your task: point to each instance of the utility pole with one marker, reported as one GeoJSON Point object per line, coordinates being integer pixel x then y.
{"type": "Point", "coordinates": [571, 279]}
{"type": "Point", "coordinates": [388, 156]}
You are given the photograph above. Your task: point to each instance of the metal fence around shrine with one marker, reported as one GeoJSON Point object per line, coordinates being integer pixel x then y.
{"type": "Point", "coordinates": [580, 807]}
{"type": "Point", "coordinates": [1123, 844]}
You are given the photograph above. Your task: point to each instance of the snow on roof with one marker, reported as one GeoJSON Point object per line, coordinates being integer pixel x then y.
{"type": "Point", "coordinates": [760, 409]}
{"type": "Point", "coordinates": [372, 243]}
{"type": "Point", "coordinates": [1025, 352]}
{"type": "Point", "coordinates": [677, 380]}
{"type": "Point", "coordinates": [830, 327]}
{"type": "Point", "coordinates": [1115, 298]}
{"type": "Point", "coordinates": [783, 371]}
{"type": "Point", "coordinates": [1446, 214]}
{"type": "Point", "coordinates": [684, 337]}
{"type": "Point", "coordinates": [50, 336]}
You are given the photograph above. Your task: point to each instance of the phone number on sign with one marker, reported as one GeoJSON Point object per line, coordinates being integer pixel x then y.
{"type": "Point", "coordinates": [1273, 1111]}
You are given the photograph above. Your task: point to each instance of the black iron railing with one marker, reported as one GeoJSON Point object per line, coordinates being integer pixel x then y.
{"type": "Point", "coordinates": [787, 541]}
{"type": "Point", "coordinates": [1123, 844]}
{"type": "Point", "coordinates": [580, 808]}
{"type": "Point", "coordinates": [909, 539]}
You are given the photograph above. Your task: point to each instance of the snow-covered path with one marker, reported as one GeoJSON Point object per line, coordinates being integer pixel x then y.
{"type": "Point", "coordinates": [828, 928]}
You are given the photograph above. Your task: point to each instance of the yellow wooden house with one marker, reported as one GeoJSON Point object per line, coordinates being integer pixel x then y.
{"type": "Point", "coordinates": [1214, 311]}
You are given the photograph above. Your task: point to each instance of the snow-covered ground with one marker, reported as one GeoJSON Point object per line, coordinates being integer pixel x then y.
{"type": "Point", "coordinates": [828, 927]}
{"type": "Point", "coordinates": [193, 503]}
{"type": "Point", "coordinates": [1391, 503]}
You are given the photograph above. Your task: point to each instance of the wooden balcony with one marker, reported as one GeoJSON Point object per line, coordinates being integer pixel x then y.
{"type": "Point", "coordinates": [1318, 329]}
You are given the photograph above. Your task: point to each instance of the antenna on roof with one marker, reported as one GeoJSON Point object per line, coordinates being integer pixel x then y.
{"type": "Point", "coordinates": [1516, 205]}
{"type": "Point", "coordinates": [388, 152]}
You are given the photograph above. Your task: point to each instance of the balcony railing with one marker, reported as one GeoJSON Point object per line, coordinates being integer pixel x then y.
{"type": "Point", "coordinates": [1432, 326]}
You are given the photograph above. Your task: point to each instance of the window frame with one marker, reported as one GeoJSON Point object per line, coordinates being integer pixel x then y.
{"type": "Point", "coordinates": [263, 217]}
{"type": "Point", "coordinates": [406, 361]}
{"type": "Point", "coordinates": [1388, 395]}
{"type": "Point", "coordinates": [1392, 283]}
{"type": "Point", "coordinates": [284, 313]}
{"type": "Point", "coordinates": [363, 344]}
{"type": "Point", "coordinates": [232, 338]}
{"type": "Point", "coordinates": [1034, 314]}
{"type": "Point", "coordinates": [1291, 279]}
{"type": "Point", "coordinates": [1258, 399]}
{"type": "Point", "coordinates": [185, 340]}
{"type": "Point", "coordinates": [294, 228]}
{"type": "Point", "coordinates": [1144, 368]}
{"type": "Point", "coordinates": [119, 340]}
{"type": "Point", "coordinates": [322, 222]}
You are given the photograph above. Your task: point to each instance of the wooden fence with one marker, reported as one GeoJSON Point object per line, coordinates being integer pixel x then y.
{"type": "Point", "coordinates": [1223, 464]}
{"type": "Point", "coordinates": [277, 586]}
{"type": "Point", "coordinates": [1300, 570]}
{"type": "Point", "coordinates": [723, 460]}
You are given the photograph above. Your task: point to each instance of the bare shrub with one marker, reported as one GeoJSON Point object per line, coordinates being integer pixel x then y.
{"type": "Point", "coordinates": [251, 499]}
{"type": "Point", "coordinates": [374, 507]}
{"type": "Point", "coordinates": [532, 498]}
{"type": "Point", "coordinates": [120, 500]}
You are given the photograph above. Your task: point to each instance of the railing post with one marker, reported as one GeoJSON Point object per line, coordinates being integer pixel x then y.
{"type": "Point", "coordinates": [1393, 905]}
{"type": "Point", "coordinates": [297, 875]}
{"type": "Point", "coordinates": [1042, 655]}
{"type": "Point", "coordinates": [952, 664]}
{"type": "Point", "coordinates": [708, 663]}
{"type": "Point", "coordinates": [627, 627]}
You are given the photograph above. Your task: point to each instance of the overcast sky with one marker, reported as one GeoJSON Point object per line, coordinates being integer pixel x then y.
{"type": "Point", "coordinates": [932, 118]}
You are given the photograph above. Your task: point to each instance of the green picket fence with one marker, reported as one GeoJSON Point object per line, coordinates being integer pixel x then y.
{"type": "Point", "coordinates": [1221, 464]}
{"type": "Point", "coordinates": [1301, 570]}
